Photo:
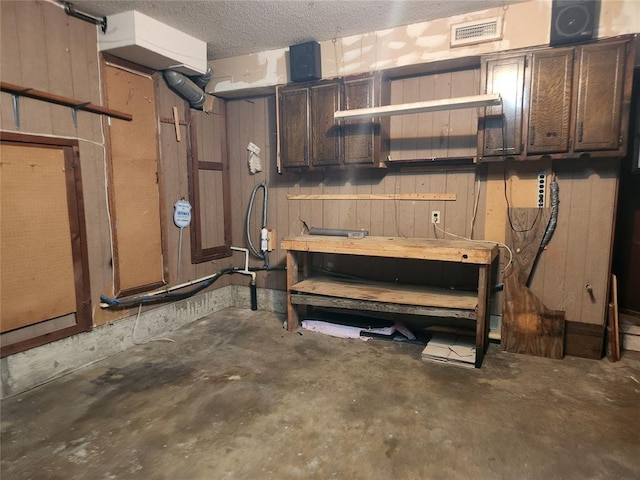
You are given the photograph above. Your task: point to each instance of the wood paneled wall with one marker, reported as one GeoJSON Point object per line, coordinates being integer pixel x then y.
{"type": "Point", "coordinates": [444, 134]}
{"type": "Point", "coordinates": [174, 183]}
{"type": "Point", "coordinates": [573, 272]}
{"type": "Point", "coordinates": [578, 255]}
{"type": "Point", "coordinates": [253, 120]}
{"type": "Point", "coordinates": [60, 56]}
{"type": "Point", "coordinates": [43, 48]}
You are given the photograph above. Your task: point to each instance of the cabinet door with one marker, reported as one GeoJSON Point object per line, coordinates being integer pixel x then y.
{"type": "Point", "coordinates": [502, 124]}
{"type": "Point", "coordinates": [550, 101]}
{"type": "Point", "coordinates": [325, 133]}
{"type": "Point", "coordinates": [599, 96]}
{"type": "Point", "coordinates": [359, 135]}
{"type": "Point", "coordinates": [294, 127]}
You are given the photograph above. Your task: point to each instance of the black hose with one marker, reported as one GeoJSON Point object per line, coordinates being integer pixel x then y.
{"type": "Point", "coordinates": [129, 302]}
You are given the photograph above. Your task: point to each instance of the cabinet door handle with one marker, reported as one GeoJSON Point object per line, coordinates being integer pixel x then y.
{"type": "Point", "coordinates": [580, 131]}
{"type": "Point", "coordinates": [532, 135]}
{"type": "Point", "coordinates": [501, 149]}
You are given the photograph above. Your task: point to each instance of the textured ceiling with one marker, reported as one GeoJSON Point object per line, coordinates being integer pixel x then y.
{"type": "Point", "coordinates": [237, 27]}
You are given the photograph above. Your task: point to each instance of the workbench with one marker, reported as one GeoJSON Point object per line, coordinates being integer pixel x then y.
{"type": "Point", "coordinates": [305, 288]}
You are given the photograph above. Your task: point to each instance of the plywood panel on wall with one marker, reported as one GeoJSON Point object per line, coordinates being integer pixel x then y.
{"type": "Point", "coordinates": [134, 169]}
{"type": "Point", "coordinates": [37, 278]}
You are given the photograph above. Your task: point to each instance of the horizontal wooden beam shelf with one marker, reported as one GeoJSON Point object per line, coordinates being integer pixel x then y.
{"type": "Point", "coordinates": [64, 101]}
{"type": "Point", "coordinates": [386, 292]}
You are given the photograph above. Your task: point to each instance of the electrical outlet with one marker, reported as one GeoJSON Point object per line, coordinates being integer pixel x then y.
{"type": "Point", "coordinates": [435, 216]}
{"type": "Point", "coordinates": [541, 193]}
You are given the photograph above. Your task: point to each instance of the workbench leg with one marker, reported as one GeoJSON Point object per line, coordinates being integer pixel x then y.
{"type": "Point", "coordinates": [482, 313]}
{"type": "Point", "coordinates": [292, 279]}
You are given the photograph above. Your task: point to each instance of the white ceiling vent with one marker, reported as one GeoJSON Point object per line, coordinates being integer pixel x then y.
{"type": "Point", "coordinates": [485, 30]}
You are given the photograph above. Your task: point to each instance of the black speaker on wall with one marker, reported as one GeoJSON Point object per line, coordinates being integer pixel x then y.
{"type": "Point", "coordinates": [573, 21]}
{"type": "Point", "coordinates": [304, 62]}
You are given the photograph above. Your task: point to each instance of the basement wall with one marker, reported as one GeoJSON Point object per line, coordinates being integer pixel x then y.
{"type": "Point", "coordinates": [60, 56]}
{"type": "Point", "coordinates": [26, 370]}
{"type": "Point", "coordinates": [525, 24]}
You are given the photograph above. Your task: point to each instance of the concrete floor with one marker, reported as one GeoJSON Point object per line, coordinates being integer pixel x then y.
{"type": "Point", "coordinates": [237, 397]}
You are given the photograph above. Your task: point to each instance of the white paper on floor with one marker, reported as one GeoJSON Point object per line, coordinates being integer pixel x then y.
{"type": "Point", "coordinates": [348, 331]}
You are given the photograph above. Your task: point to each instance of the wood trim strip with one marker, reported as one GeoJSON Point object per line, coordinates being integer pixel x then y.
{"type": "Point", "coordinates": [375, 196]}
{"type": "Point", "coordinates": [65, 101]}
{"type": "Point", "coordinates": [218, 166]}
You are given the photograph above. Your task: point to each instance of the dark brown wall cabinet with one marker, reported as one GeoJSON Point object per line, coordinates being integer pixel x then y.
{"type": "Point", "coordinates": [559, 102]}
{"type": "Point", "coordinates": [309, 135]}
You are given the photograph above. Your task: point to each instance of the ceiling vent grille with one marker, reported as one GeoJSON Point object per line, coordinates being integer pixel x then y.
{"type": "Point", "coordinates": [480, 31]}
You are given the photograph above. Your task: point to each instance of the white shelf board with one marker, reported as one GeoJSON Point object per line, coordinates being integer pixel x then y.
{"type": "Point", "coordinates": [473, 101]}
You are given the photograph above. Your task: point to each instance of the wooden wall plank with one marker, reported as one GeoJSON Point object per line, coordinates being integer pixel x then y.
{"type": "Point", "coordinates": [409, 122]}
{"type": "Point", "coordinates": [9, 60]}
{"type": "Point", "coordinates": [58, 67]}
{"type": "Point", "coordinates": [463, 123]}
{"type": "Point", "coordinates": [426, 86]}
{"type": "Point", "coordinates": [603, 176]}
{"type": "Point", "coordinates": [395, 122]}
{"type": "Point", "coordinates": [85, 67]}
{"type": "Point", "coordinates": [233, 141]}
{"type": "Point", "coordinates": [578, 208]}
{"type": "Point", "coordinates": [35, 115]}
{"type": "Point", "coordinates": [10, 46]}
{"type": "Point", "coordinates": [441, 120]}
{"type": "Point", "coordinates": [422, 223]}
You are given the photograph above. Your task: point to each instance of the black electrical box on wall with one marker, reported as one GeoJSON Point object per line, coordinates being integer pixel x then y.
{"type": "Point", "coordinates": [304, 62]}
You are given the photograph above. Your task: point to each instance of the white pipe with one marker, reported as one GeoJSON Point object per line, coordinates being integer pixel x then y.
{"type": "Point", "coordinates": [246, 263]}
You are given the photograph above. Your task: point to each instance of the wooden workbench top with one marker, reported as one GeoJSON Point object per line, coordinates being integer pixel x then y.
{"type": "Point", "coordinates": [463, 251]}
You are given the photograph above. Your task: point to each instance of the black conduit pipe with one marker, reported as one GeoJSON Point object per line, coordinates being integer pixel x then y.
{"type": "Point", "coordinates": [254, 296]}
{"type": "Point", "coordinates": [128, 302]}
{"type": "Point", "coordinates": [551, 226]}
{"type": "Point", "coordinates": [262, 255]}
